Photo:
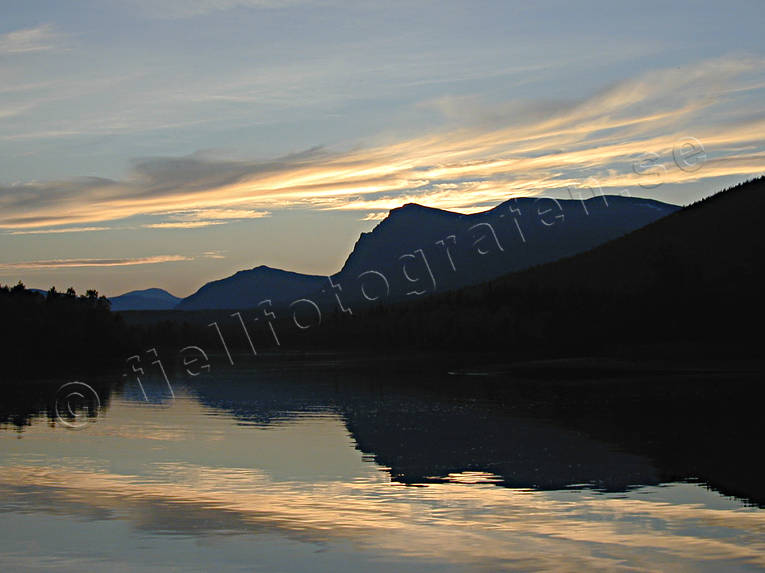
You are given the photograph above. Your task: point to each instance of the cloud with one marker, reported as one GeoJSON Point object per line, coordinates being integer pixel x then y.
{"type": "Point", "coordinates": [42, 38]}
{"type": "Point", "coordinates": [69, 263]}
{"type": "Point", "coordinates": [375, 216]}
{"type": "Point", "coordinates": [221, 214]}
{"type": "Point", "coordinates": [465, 168]}
{"type": "Point", "coordinates": [57, 231]}
{"type": "Point", "coordinates": [183, 224]}
{"type": "Point", "coordinates": [214, 254]}
{"type": "Point", "coordinates": [197, 218]}
{"type": "Point", "coordinates": [180, 9]}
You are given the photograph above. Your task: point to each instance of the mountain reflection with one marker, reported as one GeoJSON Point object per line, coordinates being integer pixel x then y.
{"type": "Point", "coordinates": [608, 435]}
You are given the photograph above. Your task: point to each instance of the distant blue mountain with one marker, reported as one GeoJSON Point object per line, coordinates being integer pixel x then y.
{"type": "Point", "coordinates": [149, 299]}
{"type": "Point", "coordinates": [246, 289]}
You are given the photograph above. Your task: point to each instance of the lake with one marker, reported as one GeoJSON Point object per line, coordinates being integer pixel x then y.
{"type": "Point", "coordinates": [338, 465]}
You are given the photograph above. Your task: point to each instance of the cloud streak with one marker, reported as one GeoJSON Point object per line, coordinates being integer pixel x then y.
{"type": "Point", "coordinates": [180, 9]}
{"type": "Point", "coordinates": [59, 231]}
{"type": "Point", "coordinates": [183, 224]}
{"type": "Point", "coordinates": [197, 218]}
{"type": "Point", "coordinates": [465, 169]}
{"type": "Point", "coordinates": [42, 38]}
{"type": "Point", "coordinates": [81, 263]}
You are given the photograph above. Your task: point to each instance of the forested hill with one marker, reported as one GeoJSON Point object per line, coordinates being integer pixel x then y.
{"type": "Point", "coordinates": [715, 245]}
{"type": "Point", "coordinates": [691, 278]}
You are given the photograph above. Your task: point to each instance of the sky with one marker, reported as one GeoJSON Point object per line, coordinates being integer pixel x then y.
{"type": "Point", "coordinates": [167, 144]}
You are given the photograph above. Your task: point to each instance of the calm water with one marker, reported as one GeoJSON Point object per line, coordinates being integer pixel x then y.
{"type": "Point", "coordinates": [319, 467]}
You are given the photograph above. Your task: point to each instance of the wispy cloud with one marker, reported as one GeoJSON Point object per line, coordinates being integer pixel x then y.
{"type": "Point", "coordinates": [214, 254]}
{"type": "Point", "coordinates": [464, 169]}
{"type": "Point", "coordinates": [42, 38]}
{"type": "Point", "coordinates": [57, 231]}
{"type": "Point", "coordinates": [71, 263]}
{"type": "Point", "coordinates": [182, 224]}
{"type": "Point", "coordinates": [379, 215]}
{"type": "Point", "coordinates": [196, 218]}
{"type": "Point", "coordinates": [178, 9]}
{"type": "Point", "coordinates": [219, 214]}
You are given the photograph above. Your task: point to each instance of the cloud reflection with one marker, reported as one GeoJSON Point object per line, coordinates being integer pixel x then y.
{"type": "Point", "coordinates": [476, 524]}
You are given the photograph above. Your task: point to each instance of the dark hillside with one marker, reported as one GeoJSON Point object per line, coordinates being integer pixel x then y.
{"type": "Point", "coordinates": [691, 279]}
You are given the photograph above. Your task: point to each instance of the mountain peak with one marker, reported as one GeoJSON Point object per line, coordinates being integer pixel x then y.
{"type": "Point", "coordinates": [149, 291]}
{"type": "Point", "coordinates": [451, 244]}
{"type": "Point", "coordinates": [146, 299]}
{"type": "Point", "coordinates": [260, 269]}
{"type": "Point", "coordinates": [247, 288]}
{"type": "Point", "coordinates": [414, 210]}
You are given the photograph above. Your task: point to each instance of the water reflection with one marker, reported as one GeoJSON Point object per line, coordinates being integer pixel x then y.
{"type": "Point", "coordinates": [609, 435]}
{"type": "Point", "coordinates": [290, 461]}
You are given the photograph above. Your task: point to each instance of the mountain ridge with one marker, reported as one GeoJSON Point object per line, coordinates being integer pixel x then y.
{"type": "Point", "coordinates": [145, 299]}
{"type": "Point", "coordinates": [248, 287]}
{"type": "Point", "coordinates": [439, 247]}
{"type": "Point", "coordinates": [682, 284]}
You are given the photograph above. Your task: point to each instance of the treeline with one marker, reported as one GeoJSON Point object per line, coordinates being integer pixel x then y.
{"type": "Point", "coordinates": [45, 334]}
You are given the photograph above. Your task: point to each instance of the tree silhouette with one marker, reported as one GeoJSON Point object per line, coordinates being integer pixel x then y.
{"type": "Point", "coordinates": [42, 334]}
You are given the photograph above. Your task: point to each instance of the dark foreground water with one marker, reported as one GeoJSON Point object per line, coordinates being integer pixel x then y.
{"type": "Point", "coordinates": [339, 467]}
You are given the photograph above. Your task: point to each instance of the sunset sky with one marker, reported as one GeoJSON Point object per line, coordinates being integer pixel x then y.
{"type": "Point", "coordinates": [166, 144]}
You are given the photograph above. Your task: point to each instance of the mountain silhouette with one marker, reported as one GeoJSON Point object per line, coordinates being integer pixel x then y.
{"type": "Point", "coordinates": [683, 282]}
{"type": "Point", "coordinates": [246, 289]}
{"type": "Point", "coordinates": [714, 246]}
{"type": "Point", "coordinates": [148, 299]}
{"type": "Point", "coordinates": [419, 250]}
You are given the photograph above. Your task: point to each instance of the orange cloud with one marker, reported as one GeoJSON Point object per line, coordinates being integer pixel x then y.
{"type": "Point", "coordinates": [466, 168]}
{"type": "Point", "coordinates": [68, 263]}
